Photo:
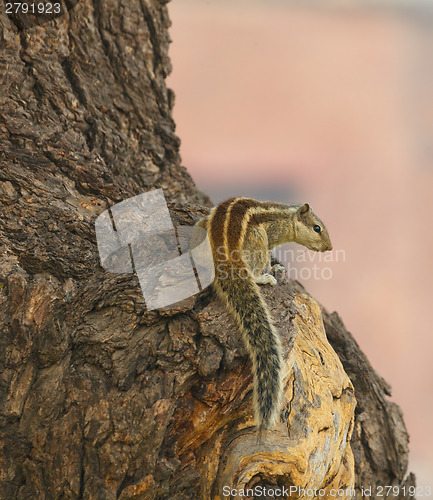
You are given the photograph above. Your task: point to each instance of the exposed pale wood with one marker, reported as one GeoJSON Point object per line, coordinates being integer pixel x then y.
{"type": "Point", "coordinates": [310, 447]}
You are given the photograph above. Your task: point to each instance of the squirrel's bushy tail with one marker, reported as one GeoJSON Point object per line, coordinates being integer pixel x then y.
{"type": "Point", "coordinates": [245, 303]}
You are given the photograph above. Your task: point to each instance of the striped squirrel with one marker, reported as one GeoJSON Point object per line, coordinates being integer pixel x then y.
{"type": "Point", "coordinates": [242, 234]}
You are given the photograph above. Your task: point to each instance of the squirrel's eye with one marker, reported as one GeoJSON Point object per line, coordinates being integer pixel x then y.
{"type": "Point", "coordinates": [317, 228]}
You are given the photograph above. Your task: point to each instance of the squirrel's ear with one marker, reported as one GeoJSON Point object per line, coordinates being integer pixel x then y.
{"type": "Point", "coordinates": [303, 209]}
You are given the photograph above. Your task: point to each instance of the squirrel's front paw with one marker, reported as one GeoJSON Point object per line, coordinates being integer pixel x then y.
{"type": "Point", "coordinates": [265, 279]}
{"type": "Point", "coordinates": [278, 268]}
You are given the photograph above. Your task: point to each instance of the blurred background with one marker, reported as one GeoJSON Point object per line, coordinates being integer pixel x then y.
{"type": "Point", "coordinates": [329, 103]}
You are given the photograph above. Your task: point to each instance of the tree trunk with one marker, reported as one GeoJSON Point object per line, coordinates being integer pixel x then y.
{"type": "Point", "coordinates": [101, 398]}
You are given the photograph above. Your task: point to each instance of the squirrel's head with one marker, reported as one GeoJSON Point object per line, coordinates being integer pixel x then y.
{"type": "Point", "coordinates": [310, 230]}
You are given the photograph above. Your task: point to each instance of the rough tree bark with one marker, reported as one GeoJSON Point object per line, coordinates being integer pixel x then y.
{"type": "Point", "coordinates": [99, 397]}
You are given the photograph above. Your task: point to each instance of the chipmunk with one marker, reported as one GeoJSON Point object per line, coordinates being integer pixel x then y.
{"type": "Point", "coordinates": [242, 234]}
